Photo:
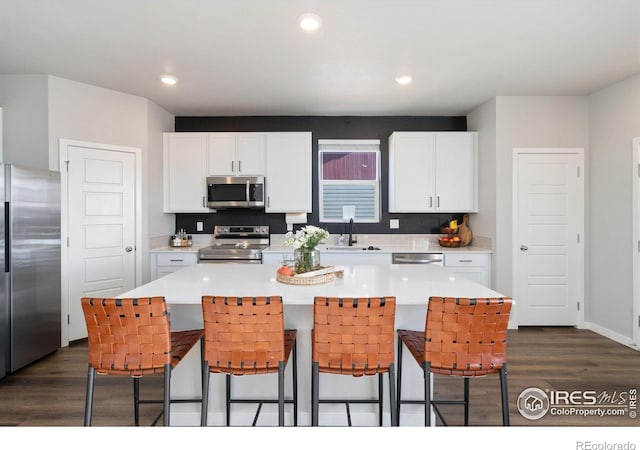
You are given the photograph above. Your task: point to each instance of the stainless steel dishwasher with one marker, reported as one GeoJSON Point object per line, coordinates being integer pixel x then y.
{"type": "Point", "coordinates": [417, 258]}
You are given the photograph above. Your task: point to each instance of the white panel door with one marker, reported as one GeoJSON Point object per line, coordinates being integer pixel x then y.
{"type": "Point", "coordinates": [221, 154]}
{"type": "Point", "coordinates": [101, 228]}
{"type": "Point", "coordinates": [548, 238]}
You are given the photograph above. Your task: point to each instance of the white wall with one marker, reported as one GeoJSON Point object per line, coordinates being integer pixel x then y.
{"type": "Point", "coordinates": [25, 137]}
{"type": "Point", "coordinates": [483, 119]}
{"type": "Point", "coordinates": [529, 122]}
{"type": "Point", "coordinates": [84, 112]}
{"type": "Point", "coordinates": [614, 122]}
{"type": "Point", "coordinates": [154, 220]}
{"type": "Point", "coordinates": [508, 123]}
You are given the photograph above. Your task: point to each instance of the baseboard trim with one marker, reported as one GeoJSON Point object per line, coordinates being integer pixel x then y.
{"type": "Point", "coordinates": [614, 336]}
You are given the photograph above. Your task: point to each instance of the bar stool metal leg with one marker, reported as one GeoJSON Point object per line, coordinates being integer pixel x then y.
{"type": "Point", "coordinates": [426, 367]}
{"type": "Point", "coordinates": [136, 401]}
{"type": "Point", "coordinates": [392, 396]}
{"type": "Point", "coordinates": [88, 407]}
{"type": "Point", "coordinates": [315, 375]}
{"type": "Point", "coordinates": [380, 396]}
{"type": "Point", "coordinates": [399, 401]}
{"type": "Point", "coordinates": [505, 395]}
{"type": "Point", "coordinates": [295, 383]}
{"type": "Point", "coordinates": [205, 395]}
{"type": "Point", "coordinates": [167, 394]}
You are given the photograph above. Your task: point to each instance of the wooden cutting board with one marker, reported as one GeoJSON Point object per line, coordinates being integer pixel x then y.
{"type": "Point", "coordinates": [464, 232]}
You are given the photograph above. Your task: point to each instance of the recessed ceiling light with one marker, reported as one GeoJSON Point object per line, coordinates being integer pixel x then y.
{"type": "Point", "coordinates": [168, 79]}
{"type": "Point", "coordinates": [404, 79]}
{"type": "Point", "coordinates": [310, 22]}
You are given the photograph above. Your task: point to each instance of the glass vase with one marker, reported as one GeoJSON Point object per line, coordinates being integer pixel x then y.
{"type": "Point", "coordinates": [306, 260]}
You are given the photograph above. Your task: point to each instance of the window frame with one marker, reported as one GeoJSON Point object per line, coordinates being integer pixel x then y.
{"type": "Point", "coordinates": [350, 146]}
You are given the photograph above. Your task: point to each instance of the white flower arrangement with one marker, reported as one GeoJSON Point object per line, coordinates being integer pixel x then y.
{"type": "Point", "coordinates": [307, 237]}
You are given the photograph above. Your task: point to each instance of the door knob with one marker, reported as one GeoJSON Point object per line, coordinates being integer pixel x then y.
{"type": "Point", "coordinates": [128, 249]}
{"type": "Point", "coordinates": [524, 248]}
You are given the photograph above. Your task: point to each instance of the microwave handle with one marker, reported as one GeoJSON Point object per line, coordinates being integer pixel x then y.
{"type": "Point", "coordinates": [247, 193]}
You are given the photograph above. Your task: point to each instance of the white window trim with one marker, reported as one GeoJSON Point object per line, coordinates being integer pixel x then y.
{"type": "Point", "coordinates": [350, 145]}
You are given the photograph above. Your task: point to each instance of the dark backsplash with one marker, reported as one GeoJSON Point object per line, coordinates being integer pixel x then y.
{"type": "Point", "coordinates": [324, 127]}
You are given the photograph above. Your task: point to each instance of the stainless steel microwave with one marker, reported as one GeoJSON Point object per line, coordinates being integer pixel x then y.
{"type": "Point", "coordinates": [235, 192]}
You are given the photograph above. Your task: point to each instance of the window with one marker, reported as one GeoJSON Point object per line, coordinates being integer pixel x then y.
{"type": "Point", "coordinates": [349, 180]}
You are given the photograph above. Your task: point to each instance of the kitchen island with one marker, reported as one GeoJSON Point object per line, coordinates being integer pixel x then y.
{"type": "Point", "coordinates": [410, 284]}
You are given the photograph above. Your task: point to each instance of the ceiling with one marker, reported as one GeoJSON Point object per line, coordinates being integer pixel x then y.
{"type": "Point", "coordinates": [249, 57]}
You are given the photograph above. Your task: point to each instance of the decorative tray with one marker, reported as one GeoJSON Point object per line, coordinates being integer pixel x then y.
{"type": "Point", "coordinates": [325, 275]}
{"type": "Point", "coordinates": [180, 243]}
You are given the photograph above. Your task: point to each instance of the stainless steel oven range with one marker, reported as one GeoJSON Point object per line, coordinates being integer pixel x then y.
{"type": "Point", "coordinates": [241, 244]}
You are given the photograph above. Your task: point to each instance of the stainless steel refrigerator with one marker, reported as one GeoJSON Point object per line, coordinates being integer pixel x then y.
{"type": "Point", "coordinates": [30, 252]}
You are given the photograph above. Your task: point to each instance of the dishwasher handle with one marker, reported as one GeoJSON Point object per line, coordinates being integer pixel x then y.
{"type": "Point", "coordinates": [417, 258]}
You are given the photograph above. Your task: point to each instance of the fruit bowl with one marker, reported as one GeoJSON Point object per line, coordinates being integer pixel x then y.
{"type": "Point", "coordinates": [448, 242]}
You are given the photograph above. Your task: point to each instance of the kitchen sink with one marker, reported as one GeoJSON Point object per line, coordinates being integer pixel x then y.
{"type": "Point", "coordinates": [350, 249]}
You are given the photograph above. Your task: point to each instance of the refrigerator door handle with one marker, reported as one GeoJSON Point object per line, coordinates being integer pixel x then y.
{"type": "Point", "coordinates": [7, 253]}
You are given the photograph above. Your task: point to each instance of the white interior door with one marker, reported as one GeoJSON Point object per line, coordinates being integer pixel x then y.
{"type": "Point", "coordinates": [548, 244]}
{"type": "Point", "coordinates": [101, 224]}
{"type": "Point", "coordinates": [636, 241]}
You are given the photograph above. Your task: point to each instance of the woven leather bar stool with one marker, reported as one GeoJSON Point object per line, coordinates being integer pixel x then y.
{"type": "Point", "coordinates": [246, 336]}
{"type": "Point", "coordinates": [132, 337]}
{"type": "Point", "coordinates": [353, 336]}
{"type": "Point", "coordinates": [463, 337]}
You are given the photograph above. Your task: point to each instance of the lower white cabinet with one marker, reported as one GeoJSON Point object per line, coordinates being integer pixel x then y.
{"type": "Point", "coordinates": [475, 266]}
{"type": "Point", "coordinates": [164, 263]}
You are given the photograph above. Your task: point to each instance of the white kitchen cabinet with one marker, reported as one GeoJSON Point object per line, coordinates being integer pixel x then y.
{"type": "Point", "coordinates": [432, 172]}
{"type": "Point", "coordinates": [164, 263]}
{"type": "Point", "coordinates": [185, 172]}
{"type": "Point", "coordinates": [288, 172]}
{"type": "Point", "coordinates": [475, 266]}
{"type": "Point", "coordinates": [236, 154]}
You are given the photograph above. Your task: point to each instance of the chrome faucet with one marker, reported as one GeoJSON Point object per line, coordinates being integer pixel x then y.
{"type": "Point", "coordinates": [352, 240]}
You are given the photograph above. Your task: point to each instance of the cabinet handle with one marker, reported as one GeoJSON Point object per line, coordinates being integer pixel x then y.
{"type": "Point", "coordinates": [176, 260]}
{"type": "Point", "coordinates": [438, 201]}
{"type": "Point", "coordinates": [231, 166]}
{"type": "Point", "coordinates": [465, 260]}
{"type": "Point", "coordinates": [239, 166]}
{"type": "Point", "coordinates": [204, 203]}
{"type": "Point", "coordinates": [430, 202]}
{"type": "Point", "coordinates": [268, 201]}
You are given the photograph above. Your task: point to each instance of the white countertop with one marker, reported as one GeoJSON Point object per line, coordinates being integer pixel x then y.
{"type": "Point", "coordinates": [397, 248]}
{"type": "Point", "coordinates": [411, 284]}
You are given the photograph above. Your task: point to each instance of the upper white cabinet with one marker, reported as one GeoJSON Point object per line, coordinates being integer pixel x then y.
{"type": "Point", "coordinates": [288, 172]}
{"type": "Point", "coordinates": [236, 153]}
{"type": "Point", "coordinates": [433, 172]}
{"type": "Point", "coordinates": [185, 158]}
{"type": "Point", "coordinates": [283, 158]}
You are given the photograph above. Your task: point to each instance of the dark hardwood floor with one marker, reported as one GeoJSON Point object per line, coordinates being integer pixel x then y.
{"type": "Point", "coordinates": [51, 392]}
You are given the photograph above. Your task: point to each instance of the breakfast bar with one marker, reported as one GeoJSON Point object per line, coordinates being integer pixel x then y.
{"type": "Point", "coordinates": [411, 284]}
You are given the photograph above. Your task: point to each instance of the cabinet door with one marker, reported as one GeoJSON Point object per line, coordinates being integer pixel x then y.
{"type": "Point", "coordinates": [184, 172]}
{"type": "Point", "coordinates": [411, 172]}
{"type": "Point", "coordinates": [475, 266]}
{"type": "Point", "coordinates": [221, 154]}
{"type": "Point", "coordinates": [455, 169]}
{"type": "Point", "coordinates": [288, 172]}
{"type": "Point", "coordinates": [250, 153]}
